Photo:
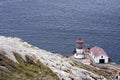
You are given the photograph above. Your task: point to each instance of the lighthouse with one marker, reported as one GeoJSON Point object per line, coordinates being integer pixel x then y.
{"type": "Point", "coordinates": [79, 49]}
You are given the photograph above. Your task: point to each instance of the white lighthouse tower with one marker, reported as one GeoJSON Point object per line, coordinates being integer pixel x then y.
{"type": "Point", "coordinates": [79, 49]}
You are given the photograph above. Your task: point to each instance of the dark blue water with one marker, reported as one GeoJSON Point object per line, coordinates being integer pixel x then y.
{"type": "Point", "coordinates": [55, 25]}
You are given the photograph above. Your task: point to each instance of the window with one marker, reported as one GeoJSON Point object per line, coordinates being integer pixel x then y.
{"type": "Point", "coordinates": [101, 60]}
{"type": "Point", "coordinates": [101, 56]}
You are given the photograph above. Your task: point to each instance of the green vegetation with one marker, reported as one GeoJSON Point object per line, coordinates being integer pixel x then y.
{"type": "Point", "coordinates": [102, 72]}
{"type": "Point", "coordinates": [24, 69]}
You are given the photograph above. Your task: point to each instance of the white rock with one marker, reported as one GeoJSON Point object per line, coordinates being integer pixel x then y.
{"type": "Point", "coordinates": [60, 65]}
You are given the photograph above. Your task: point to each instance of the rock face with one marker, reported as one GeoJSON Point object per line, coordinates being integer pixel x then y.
{"type": "Point", "coordinates": [19, 52]}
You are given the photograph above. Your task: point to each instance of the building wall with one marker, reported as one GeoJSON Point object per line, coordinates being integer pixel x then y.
{"type": "Point", "coordinates": [79, 56]}
{"type": "Point", "coordinates": [101, 57]}
{"type": "Point", "coordinates": [79, 51]}
{"type": "Point", "coordinates": [92, 56]}
{"type": "Point", "coordinates": [96, 59]}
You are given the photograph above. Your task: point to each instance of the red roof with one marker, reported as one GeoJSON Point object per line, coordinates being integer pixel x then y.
{"type": "Point", "coordinates": [97, 51]}
{"type": "Point", "coordinates": [79, 41]}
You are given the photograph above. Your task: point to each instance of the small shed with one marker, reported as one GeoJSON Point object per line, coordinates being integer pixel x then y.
{"type": "Point", "coordinates": [98, 55]}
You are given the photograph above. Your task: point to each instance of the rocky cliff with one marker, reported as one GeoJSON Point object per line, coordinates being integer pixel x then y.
{"type": "Point", "coordinates": [22, 61]}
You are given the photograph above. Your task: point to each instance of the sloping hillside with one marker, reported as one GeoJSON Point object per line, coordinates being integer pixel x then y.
{"type": "Point", "coordinates": [22, 61]}
{"type": "Point", "coordinates": [24, 70]}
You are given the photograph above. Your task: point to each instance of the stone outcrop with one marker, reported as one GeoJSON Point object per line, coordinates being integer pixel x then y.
{"type": "Point", "coordinates": [17, 51]}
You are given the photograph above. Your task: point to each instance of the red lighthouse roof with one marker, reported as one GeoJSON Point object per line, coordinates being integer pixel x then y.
{"type": "Point", "coordinates": [79, 41]}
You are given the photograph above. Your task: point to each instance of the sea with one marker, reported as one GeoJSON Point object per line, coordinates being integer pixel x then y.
{"type": "Point", "coordinates": [55, 25]}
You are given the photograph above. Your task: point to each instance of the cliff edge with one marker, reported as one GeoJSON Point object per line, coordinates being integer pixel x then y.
{"type": "Point", "coordinates": [22, 61]}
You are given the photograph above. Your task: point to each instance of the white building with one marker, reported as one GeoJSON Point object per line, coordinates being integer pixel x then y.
{"type": "Point", "coordinates": [79, 54]}
{"type": "Point", "coordinates": [79, 51]}
{"type": "Point", "coordinates": [98, 55]}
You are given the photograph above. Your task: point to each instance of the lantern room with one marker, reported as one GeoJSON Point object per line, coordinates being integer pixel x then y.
{"type": "Point", "coordinates": [79, 43]}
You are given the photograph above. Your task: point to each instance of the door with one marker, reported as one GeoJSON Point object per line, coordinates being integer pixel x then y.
{"type": "Point", "coordinates": [102, 61]}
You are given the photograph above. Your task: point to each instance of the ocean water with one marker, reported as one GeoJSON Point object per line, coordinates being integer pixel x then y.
{"type": "Point", "coordinates": [54, 25]}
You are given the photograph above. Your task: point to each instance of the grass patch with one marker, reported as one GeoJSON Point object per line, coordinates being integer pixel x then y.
{"type": "Point", "coordinates": [93, 69]}
{"type": "Point", "coordinates": [25, 69]}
